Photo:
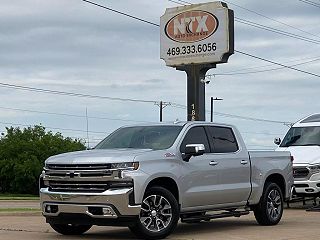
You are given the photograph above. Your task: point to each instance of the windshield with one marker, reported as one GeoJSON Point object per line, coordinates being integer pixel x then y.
{"type": "Point", "coordinates": [302, 136]}
{"type": "Point", "coordinates": [147, 137]}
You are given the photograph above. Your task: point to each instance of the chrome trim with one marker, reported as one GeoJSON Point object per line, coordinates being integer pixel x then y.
{"type": "Point", "coordinates": [117, 198]}
{"type": "Point", "coordinates": [79, 209]}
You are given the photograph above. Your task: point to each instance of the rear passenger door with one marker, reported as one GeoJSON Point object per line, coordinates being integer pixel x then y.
{"type": "Point", "coordinates": [233, 164]}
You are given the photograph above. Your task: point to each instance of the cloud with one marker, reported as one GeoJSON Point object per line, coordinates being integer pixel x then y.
{"type": "Point", "coordinates": [77, 47]}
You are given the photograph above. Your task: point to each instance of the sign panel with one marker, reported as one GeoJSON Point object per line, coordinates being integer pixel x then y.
{"type": "Point", "coordinates": [196, 34]}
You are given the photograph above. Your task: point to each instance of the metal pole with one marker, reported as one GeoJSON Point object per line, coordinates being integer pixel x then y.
{"type": "Point", "coordinates": [196, 90]}
{"type": "Point", "coordinates": [212, 106]}
{"type": "Point", "coordinates": [87, 119]}
{"type": "Point", "coordinates": [211, 109]}
{"type": "Point", "coordinates": [161, 103]}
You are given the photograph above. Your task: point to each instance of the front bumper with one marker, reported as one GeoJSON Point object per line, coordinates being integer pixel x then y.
{"type": "Point", "coordinates": [307, 187]}
{"type": "Point", "coordinates": [111, 204]}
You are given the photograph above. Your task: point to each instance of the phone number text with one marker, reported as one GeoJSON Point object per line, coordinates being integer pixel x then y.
{"type": "Point", "coordinates": [191, 49]}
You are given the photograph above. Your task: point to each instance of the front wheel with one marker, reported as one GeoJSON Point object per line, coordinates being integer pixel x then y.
{"type": "Point", "coordinates": [270, 208]}
{"type": "Point", "coordinates": [159, 214]}
{"type": "Point", "coordinates": [70, 229]}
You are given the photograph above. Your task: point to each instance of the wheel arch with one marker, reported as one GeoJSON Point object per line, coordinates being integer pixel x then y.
{"type": "Point", "coordinates": [279, 180]}
{"type": "Point", "coordinates": [167, 183]}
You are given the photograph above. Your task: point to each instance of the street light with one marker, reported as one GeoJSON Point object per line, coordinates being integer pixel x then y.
{"type": "Point", "coordinates": [212, 106]}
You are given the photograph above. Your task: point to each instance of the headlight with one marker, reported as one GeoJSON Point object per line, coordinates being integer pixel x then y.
{"type": "Point", "coordinates": [314, 168]}
{"type": "Point", "coordinates": [125, 166]}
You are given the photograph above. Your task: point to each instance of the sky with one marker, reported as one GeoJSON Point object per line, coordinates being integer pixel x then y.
{"type": "Point", "coordinates": [72, 46]}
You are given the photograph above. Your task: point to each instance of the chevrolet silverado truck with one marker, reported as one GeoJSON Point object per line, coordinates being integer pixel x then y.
{"type": "Point", "coordinates": [147, 177]}
{"type": "Point", "coordinates": [303, 141]}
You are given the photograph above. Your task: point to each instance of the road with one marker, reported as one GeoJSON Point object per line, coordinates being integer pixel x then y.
{"type": "Point", "coordinates": [296, 224]}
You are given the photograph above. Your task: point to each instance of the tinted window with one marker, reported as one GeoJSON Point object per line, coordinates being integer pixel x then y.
{"type": "Point", "coordinates": [313, 118]}
{"type": "Point", "coordinates": [195, 135]}
{"type": "Point", "coordinates": [146, 137]}
{"type": "Point", "coordinates": [302, 136]}
{"type": "Point", "coordinates": [223, 140]}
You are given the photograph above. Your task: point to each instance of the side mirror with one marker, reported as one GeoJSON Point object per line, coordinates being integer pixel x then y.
{"type": "Point", "coordinates": [193, 150]}
{"type": "Point", "coordinates": [277, 141]}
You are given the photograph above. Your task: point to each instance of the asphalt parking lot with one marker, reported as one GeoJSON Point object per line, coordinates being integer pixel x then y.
{"type": "Point", "coordinates": [296, 224]}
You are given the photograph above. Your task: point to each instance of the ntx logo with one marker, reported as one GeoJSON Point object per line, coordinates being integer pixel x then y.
{"type": "Point", "coordinates": [192, 26]}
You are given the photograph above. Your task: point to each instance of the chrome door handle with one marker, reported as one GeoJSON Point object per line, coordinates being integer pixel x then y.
{"type": "Point", "coordinates": [243, 162]}
{"type": "Point", "coordinates": [213, 163]}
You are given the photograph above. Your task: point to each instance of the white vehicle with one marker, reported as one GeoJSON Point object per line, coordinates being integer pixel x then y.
{"type": "Point", "coordinates": [303, 141]}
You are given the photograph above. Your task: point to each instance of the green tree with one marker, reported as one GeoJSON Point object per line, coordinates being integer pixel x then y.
{"type": "Point", "coordinates": [22, 156]}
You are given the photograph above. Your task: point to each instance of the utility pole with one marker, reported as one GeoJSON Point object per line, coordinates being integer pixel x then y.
{"type": "Point", "coordinates": [161, 106]}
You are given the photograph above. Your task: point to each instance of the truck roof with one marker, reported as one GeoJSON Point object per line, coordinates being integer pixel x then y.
{"type": "Point", "coordinates": [309, 121]}
{"type": "Point", "coordinates": [181, 123]}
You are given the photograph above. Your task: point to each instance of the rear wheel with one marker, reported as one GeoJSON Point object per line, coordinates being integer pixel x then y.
{"type": "Point", "coordinates": [159, 214]}
{"type": "Point", "coordinates": [270, 208]}
{"type": "Point", "coordinates": [70, 229]}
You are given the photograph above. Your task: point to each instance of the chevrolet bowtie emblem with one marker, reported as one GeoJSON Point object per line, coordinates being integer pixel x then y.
{"type": "Point", "coordinates": [72, 174]}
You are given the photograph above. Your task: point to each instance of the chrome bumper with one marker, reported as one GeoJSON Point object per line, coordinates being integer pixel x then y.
{"type": "Point", "coordinates": [109, 204]}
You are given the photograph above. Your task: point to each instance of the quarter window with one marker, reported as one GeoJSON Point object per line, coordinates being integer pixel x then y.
{"type": "Point", "coordinates": [222, 140]}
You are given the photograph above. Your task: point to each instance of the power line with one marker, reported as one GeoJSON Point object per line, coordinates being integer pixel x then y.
{"type": "Point", "coordinates": [53, 128]}
{"type": "Point", "coordinates": [259, 71]}
{"type": "Point", "coordinates": [274, 30]}
{"type": "Point", "coordinates": [272, 19]}
{"type": "Point", "coordinates": [72, 94]}
{"type": "Point", "coordinates": [72, 115]}
{"type": "Point", "coordinates": [310, 3]}
{"type": "Point", "coordinates": [180, 106]}
{"type": "Point", "coordinates": [270, 29]}
{"type": "Point", "coordinates": [122, 13]}
{"type": "Point", "coordinates": [269, 65]}
{"type": "Point", "coordinates": [276, 63]}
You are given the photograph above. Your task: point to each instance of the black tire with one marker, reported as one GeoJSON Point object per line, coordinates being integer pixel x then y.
{"type": "Point", "coordinates": [70, 229]}
{"type": "Point", "coordinates": [270, 208]}
{"type": "Point", "coordinates": [152, 216]}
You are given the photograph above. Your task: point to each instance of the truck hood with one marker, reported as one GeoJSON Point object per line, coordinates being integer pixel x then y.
{"type": "Point", "coordinates": [97, 156]}
{"type": "Point", "coordinates": [303, 154]}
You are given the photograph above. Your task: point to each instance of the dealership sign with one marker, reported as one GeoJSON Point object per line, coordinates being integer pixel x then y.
{"type": "Point", "coordinates": [196, 34]}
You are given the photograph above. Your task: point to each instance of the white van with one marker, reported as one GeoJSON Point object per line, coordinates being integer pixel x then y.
{"type": "Point", "coordinates": [303, 141]}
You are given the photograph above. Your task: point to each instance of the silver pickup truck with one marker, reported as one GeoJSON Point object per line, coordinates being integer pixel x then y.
{"type": "Point", "coordinates": [147, 177]}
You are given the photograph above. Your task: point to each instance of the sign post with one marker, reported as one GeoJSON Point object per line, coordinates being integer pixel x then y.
{"type": "Point", "coordinates": [194, 38]}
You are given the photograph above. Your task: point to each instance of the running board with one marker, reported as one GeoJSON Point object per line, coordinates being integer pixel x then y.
{"type": "Point", "coordinates": [208, 217]}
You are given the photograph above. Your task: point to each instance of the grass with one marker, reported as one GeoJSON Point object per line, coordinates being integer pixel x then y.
{"type": "Point", "coordinates": [18, 197]}
{"type": "Point", "coordinates": [19, 210]}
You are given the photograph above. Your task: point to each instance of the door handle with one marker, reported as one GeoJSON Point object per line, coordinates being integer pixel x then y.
{"type": "Point", "coordinates": [243, 162]}
{"type": "Point", "coordinates": [213, 163]}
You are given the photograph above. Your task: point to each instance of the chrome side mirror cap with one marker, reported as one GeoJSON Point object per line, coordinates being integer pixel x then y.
{"type": "Point", "coordinates": [193, 150]}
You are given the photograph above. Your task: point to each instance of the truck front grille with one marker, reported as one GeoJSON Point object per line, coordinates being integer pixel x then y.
{"type": "Point", "coordinates": [66, 186]}
{"type": "Point", "coordinates": [76, 167]}
{"type": "Point", "coordinates": [86, 178]}
{"type": "Point", "coordinates": [78, 170]}
{"type": "Point", "coordinates": [300, 172]}
{"type": "Point", "coordinates": [82, 186]}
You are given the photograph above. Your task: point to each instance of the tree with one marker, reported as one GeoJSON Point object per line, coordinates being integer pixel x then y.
{"type": "Point", "coordinates": [23, 153]}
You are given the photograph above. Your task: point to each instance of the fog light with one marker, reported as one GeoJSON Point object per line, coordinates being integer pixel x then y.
{"type": "Point", "coordinates": [47, 209]}
{"type": "Point", "coordinates": [51, 208]}
{"type": "Point", "coordinates": [108, 211]}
